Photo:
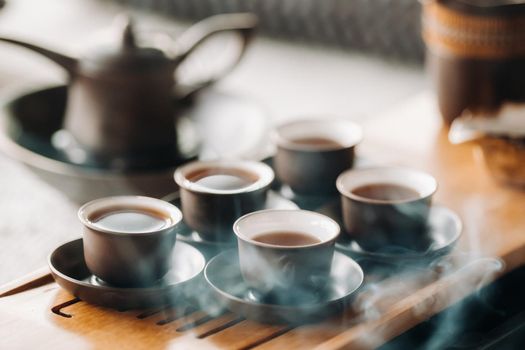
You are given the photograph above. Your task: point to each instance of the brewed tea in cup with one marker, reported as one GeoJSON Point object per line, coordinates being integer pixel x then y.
{"type": "Point", "coordinates": [216, 193]}
{"type": "Point", "coordinates": [128, 240]}
{"type": "Point", "coordinates": [285, 256]}
{"type": "Point", "coordinates": [312, 153]}
{"type": "Point", "coordinates": [387, 207]}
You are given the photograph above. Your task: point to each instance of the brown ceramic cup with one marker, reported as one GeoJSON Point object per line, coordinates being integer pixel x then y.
{"type": "Point", "coordinates": [285, 273]}
{"type": "Point", "coordinates": [210, 205]}
{"type": "Point", "coordinates": [312, 153]}
{"type": "Point", "coordinates": [127, 258]}
{"type": "Point", "coordinates": [383, 223]}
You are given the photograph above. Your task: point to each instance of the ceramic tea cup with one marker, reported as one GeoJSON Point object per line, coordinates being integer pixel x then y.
{"type": "Point", "coordinates": [285, 256]}
{"type": "Point", "coordinates": [312, 153]}
{"type": "Point", "coordinates": [216, 193]}
{"type": "Point", "coordinates": [387, 206]}
{"type": "Point", "coordinates": [128, 240]}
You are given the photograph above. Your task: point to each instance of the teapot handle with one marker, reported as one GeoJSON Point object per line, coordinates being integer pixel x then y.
{"type": "Point", "coordinates": [244, 24]}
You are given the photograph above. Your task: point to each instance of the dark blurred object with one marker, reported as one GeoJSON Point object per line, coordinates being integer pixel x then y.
{"type": "Point", "coordinates": [123, 99]}
{"type": "Point", "coordinates": [385, 27]}
{"type": "Point", "coordinates": [501, 140]}
{"type": "Point", "coordinates": [505, 159]}
{"type": "Point", "coordinates": [476, 52]}
{"type": "Point", "coordinates": [493, 318]}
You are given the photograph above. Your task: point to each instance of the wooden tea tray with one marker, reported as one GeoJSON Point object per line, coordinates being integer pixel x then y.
{"type": "Point", "coordinates": [35, 312]}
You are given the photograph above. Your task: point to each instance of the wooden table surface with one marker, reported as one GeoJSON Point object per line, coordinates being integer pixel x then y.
{"type": "Point", "coordinates": [36, 313]}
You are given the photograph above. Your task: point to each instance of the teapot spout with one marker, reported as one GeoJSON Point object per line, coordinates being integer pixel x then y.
{"type": "Point", "coordinates": [66, 62]}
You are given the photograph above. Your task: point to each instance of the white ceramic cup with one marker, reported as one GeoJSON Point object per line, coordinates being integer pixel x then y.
{"type": "Point", "coordinates": [271, 268]}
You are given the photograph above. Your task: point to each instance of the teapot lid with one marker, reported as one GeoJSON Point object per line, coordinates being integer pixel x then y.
{"type": "Point", "coordinates": [126, 56]}
{"type": "Point", "coordinates": [487, 7]}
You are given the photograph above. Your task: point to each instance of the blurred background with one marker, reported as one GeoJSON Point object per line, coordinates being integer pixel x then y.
{"type": "Point", "coordinates": [344, 57]}
{"type": "Point", "coordinates": [354, 59]}
{"type": "Point", "coordinates": [384, 27]}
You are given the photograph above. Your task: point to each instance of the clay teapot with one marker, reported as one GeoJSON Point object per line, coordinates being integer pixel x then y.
{"type": "Point", "coordinates": [123, 100]}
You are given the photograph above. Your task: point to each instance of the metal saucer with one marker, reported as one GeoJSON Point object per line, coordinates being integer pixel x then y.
{"type": "Point", "coordinates": [445, 229]}
{"type": "Point", "coordinates": [224, 277]}
{"type": "Point", "coordinates": [210, 248]}
{"type": "Point", "coordinates": [71, 273]}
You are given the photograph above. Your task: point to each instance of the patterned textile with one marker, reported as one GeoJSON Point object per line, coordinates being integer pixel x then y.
{"type": "Point", "coordinates": [386, 27]}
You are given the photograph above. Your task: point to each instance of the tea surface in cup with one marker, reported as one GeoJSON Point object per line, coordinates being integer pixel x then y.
{"type": "Point", "coordinates": [130, 220]}
{"type": "Point", "coordinates": [318, 142]}
{"type": "Point", "coordinates": [386, 192]}
{"type": "Point", "coordinates": [222, 179]}
{"type": "Point", "coordinates": [286, 238]}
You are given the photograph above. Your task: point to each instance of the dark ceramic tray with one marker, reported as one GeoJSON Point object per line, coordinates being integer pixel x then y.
{"type": "Point", "coordinates": [223, 275]}
{"type": "Point", "coordinates": [214, 125]}
{"type": "Point", "coordinates": [71, 273]}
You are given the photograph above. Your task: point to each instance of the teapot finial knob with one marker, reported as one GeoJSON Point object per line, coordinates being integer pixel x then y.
{"type": "Point", "coordinates": [124, 25]}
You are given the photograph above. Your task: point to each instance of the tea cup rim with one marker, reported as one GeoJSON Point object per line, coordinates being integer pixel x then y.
{"type": "Point", "coordinates": [174, 213]}
{"type": "Point", "coordinates": [331, 238]}
{"type": "Point", "coordinates": [263, 171]}
{"type": "Point", "coordinates": [284, 142]}
{"type": "Point", "coordinates": [423, 194]}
